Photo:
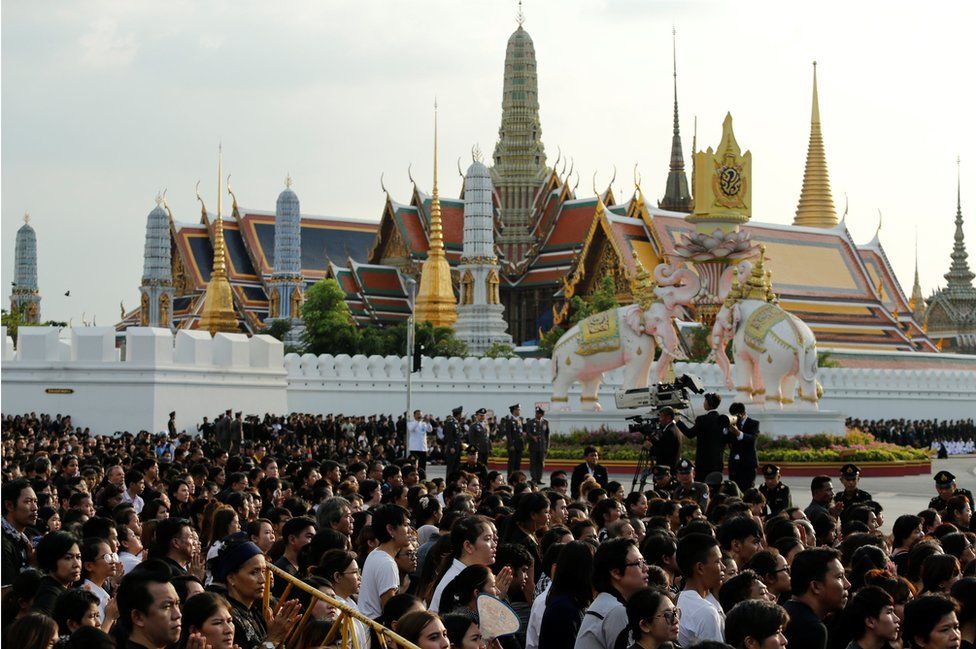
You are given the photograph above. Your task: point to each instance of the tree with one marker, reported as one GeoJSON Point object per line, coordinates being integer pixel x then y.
{"type": "Point", "coordinates": [439, 341]}
{"type": "Point", "coordinates": [329, 327]}
{"type": "Point", "coordinates": [500, 350]}
{"type": "Point", "coordinates": [11, 320]}
{"type": "Point", "coordinates": [603, 298]}
{"type": "Point", "coordinates": [278, 328]}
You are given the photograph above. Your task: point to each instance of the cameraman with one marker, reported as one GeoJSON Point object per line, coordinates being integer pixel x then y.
{"type": "Point", "coordinates": [666, 444]}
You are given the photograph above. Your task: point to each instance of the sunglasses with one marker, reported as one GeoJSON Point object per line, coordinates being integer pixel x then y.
{"type": "Point", "coordinates": [671, 616]}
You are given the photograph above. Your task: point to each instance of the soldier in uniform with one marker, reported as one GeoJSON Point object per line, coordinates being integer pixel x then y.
{"type": "Point", "coordinates": [478, 436]}
{"type": "Point", "coordinates": [687, 488]}
{"type": "Point", "coordinates": [776, 493]}
{"type": "Point", "coordinates": [945, 484]}
{"type": "Point", "coordinates": [171, 425]}
{"type": "Point", "coordinates": [236, 434]}
{"type": "Point", "coordinates": [537, 432]}
{"type": "Point", "coordinates": [472, 465]}
{"type": "Point", "coordinates": [664, 484]}
{"type": "Point", "coordinates": [511, 430]}
{"type": "Point", "coordinates": [851, 496]}
{"type": "Point", "coordinates": [453, 432]}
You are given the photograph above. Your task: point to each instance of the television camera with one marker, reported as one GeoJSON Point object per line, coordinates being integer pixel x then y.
{"type": "Point", "coordinates": [674, 395]}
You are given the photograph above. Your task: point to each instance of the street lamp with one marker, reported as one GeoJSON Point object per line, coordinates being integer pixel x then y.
{"type": "Point", "coordinates": [411, 332]}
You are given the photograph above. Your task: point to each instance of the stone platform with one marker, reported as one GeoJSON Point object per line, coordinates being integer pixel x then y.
{"type": "Point", "coordinates": [563, 423]}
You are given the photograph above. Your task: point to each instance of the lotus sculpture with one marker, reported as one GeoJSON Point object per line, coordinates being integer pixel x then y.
{"type": "Point", "coordinates": [719, 245]}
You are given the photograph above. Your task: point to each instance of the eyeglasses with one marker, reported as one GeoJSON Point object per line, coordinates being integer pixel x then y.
{"type": "Point", "coordinates": [786, 570]}
{"type": "Point", "coordinates": [110, 557]}
{"type": "Point", "coordinates": [640, 562]}
{"type": "Point", "coordinates": [671, 616]}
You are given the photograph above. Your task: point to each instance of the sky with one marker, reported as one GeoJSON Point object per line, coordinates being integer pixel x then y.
{"type": "Point", "coordinates": [105, 102]}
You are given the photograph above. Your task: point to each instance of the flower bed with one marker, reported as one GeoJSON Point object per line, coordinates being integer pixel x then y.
{"type": "Point", "coordinates": [855, 446]}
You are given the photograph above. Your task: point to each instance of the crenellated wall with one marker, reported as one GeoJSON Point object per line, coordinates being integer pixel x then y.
{"type": "Point", "coordinates": [81, 373]}
{"type": "Point", "coordinates": [361, 385]}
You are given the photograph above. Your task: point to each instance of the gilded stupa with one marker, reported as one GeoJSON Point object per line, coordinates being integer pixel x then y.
{"type": "Point", "coordinates": [436, 303]}
{"type": "Point", "coordinates": [218, 301]}
{"type": "Point", "coordinates": [816, 206]}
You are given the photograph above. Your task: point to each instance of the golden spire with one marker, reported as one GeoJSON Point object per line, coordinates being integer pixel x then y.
{"type": "Point", "coordinates": [759, 284]}
{"type": "Point", "coordinates": [218, 302]}
{"type": "Point", "coordinates": [816, 207]}
{"type": "Point", "coordinates": [642, 286]}
{"type": "Point", "coordinates": [435, 299]}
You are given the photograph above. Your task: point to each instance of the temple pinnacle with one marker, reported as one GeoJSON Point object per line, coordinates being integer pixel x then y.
{"type": "Point", "coordinates": [959, 275]}
{"type": "Point", "coordinates": [676, 194]}
{"type": "Point", "coordinates": [816, 206]}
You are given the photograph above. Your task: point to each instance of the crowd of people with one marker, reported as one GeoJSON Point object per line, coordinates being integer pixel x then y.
{"type": "Point", "coordinates": [945, 437]}
{"type": "Point", "coordinates": [159, 541]}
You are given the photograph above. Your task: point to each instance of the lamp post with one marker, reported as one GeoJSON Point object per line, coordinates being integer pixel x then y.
{"type": "Point", "coordinates": [411, 327]}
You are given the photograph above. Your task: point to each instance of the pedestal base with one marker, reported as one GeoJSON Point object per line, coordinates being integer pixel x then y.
{"type": "Point", "coordinates": [563, 423]}
{"type": "Point", "coordinates": [791, 423]}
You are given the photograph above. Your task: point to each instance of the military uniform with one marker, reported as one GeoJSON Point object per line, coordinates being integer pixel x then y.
{"type": "Point", "coordinates": [664, 484]}
{"type": "Point", "coordinates": [537, 432]}
{"type": "Point", "coordinates": [778, 498]}
{"type": "Point", "coordinates": [472, 465]}
{"type": "Point", "coordinates": [945, 479]}
{"type": "Point", "coordinates": [850, 499]}
{"type": "Point", "coordinates": [453, 431]}
{"type": "Point", "coordinates": [479, 438]}
{"type": "Point", "coordinates": [697, 491]}
{"type": "Point", "coordinates": [511, 429]}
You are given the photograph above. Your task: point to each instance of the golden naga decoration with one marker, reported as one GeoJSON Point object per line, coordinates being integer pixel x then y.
{"type": "Point", "coordinates": [343, 632]}
{"type": "Point", "coordinates": [435, 298]}
{"type": "Point", "coordinates": [723, 182]}
{"type": "Point", "coordinates": [218, 301]}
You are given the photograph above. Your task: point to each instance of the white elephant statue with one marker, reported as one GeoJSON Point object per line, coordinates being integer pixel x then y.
{"type": "Point", "coordinates": [774, 351]}
{"type": "Point", "coordinates": [623, 337]}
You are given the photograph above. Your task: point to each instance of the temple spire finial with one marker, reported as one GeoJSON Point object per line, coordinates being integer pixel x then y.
{"type": "Point", "coordinates": [519, 15]}
{"type": "Point", "coordinates": [959, 275]}
{"type": "Point", "coordinates": [218, 301]}
{"type": "Point", "coordinates": [288, 181]}
{"type": "Point", "coordinates": [816, 206]}
{"type": "Point", "coordinates": [676, 194]}
{"type": "Point", "coordinates": [26, 217]}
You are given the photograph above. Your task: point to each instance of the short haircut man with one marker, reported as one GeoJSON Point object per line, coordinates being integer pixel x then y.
{"type": "Point", "coordinates": [149, 607]}
{"type": "Point", "coordinates": [741, 536]}
{"type": "Point", "coordinates": [819, 587]}
{"type": "Point", "coordinates": [700, 561]}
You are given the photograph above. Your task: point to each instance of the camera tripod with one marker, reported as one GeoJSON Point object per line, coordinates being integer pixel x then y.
{"type": "Point", "coordinates": [645, 464]}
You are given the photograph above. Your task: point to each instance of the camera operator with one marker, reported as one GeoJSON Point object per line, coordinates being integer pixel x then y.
{"type": "Point", "coordinates": [711, 429]}
{"type": "Point", "coordinates": [666, 444]}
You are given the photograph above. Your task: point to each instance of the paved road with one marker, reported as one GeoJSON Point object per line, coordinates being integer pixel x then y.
{"type": "Point", "coordinates": [907, 495]}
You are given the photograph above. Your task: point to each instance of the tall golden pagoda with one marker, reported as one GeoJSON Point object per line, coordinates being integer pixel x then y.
{"type": "Point", "coordinates": [218, 303]}
{"type": "Point", "coordinates": [436, 303]}
{"type": "Point", "coordinates": [816, 207]}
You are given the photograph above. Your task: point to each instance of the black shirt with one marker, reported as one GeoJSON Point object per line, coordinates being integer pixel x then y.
{"type": "Point", "coordinates": [805, 630]}
{"type": "Point", "coordinates": [249, 626]}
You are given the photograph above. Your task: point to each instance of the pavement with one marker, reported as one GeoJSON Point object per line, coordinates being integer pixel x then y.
{"type": "Point", "coordinates": [898, 495]}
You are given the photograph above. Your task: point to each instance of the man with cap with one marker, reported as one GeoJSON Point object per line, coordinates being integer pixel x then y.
{"type": "Point", "coordinates": [849, 476]}
{"type": "Point", "coordinates": [666, 445]}
{"type": "Point", "coordinates": [537, 432]}
{"type": "Point", "coordinates": [945, 484]}
{"type": "Point", "coordinates": [776, 493]}
{"type": "Point", "coordinates": [664, 484]}
{"type": "Point", "coordinates": [472, 465]}
{"type": "Point", "coordinates": [511, 429]}
{"type": "Point", "coordinates": [453, 431]}
{"type": "Point", "coordinates": [171, 425]}
{"type": "Point", "coordinates": [743, 460]}
{"type": "Point", "coordinates": [478, 435]}
{"type": "Point", "coordinates": [687, 488]}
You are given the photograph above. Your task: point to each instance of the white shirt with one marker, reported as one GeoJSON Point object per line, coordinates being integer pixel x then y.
{"type": "Point", "coordinates": [603, 621]}
{"type": "Point", "coordinates": [701, 619]}
{"type": "Point", "coordinates": [535, 619]}
{"type": "Point", "coordinates": [100, 593]}
{"type": "Point", "coordinates": [129, 561]}
{"type": "Point", "coordinates": [417, 432]}
{"type": "Point", "coordinates": [380, 574]}
{"type": "Point", "coordinates": [137, 503]}
{"type": "Point", "coordinates": [452, 571]}
{"type": "Point", "coordinates": [361, 632]}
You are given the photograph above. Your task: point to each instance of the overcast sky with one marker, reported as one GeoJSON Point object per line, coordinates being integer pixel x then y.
{"type": "Point", "coordinates": [105, 102]}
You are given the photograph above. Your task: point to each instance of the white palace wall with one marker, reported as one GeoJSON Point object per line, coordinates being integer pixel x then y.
{"type": "Point", "coordinates": [360, 385]}
{"type": "Point", "coordinates": [191, 373]}
{"type": "Point", "coordinates": [80, 372]}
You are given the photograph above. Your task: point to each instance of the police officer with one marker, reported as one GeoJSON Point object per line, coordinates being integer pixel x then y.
{"type": "Point", "coordinates": [472, 465]}
{"type": "Point", "coordinates": [850, 475]}
{"type": "Point", "coordinates": [945, 484]}
{"type": "Point", "coordinates": [664, 484]}
{"type": "Point", "coordinates": [478, 436]}
{"type": "Point", "coordinates": [453, 432]}
{"type": "Point", "coordinates": [511, 429]}
{"type": "Point", "coordinates": [687, 488]}
{"type": "Point", "coordinates": [776, 493]}
{"type": "Point", "coordinates": [537, 432]}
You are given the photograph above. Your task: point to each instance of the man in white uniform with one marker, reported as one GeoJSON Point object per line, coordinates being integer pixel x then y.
{"type": "Point", "coordinates": [417, 432]}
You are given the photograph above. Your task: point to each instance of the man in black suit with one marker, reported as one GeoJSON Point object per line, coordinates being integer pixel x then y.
{"type": "Point", "coordinates": [590, 466]}
{"type": "Point", "coordinates": [743, 460]}
{"type": "Point", "coordinates": [711, 430]}
{"type": "Point", "coordinates": [666, 447]}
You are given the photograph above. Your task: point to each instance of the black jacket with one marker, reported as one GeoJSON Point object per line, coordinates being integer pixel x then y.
{"type": "Point", "coordinates": [709, 429]}
{"type": "Point", "coordinates": [742, 453]}
{"type": "Point", "coordinates": [666, 449]}
{"type": "Point", "coordinates": [580, 473]}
